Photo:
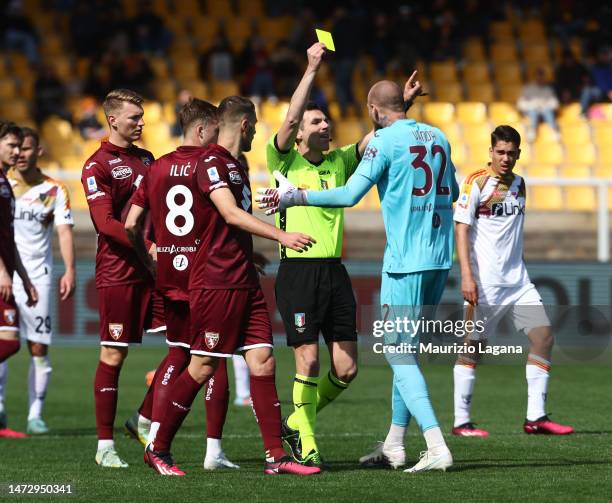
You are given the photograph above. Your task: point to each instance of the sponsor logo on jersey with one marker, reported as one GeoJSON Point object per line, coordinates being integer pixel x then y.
{"type": "Point", "coordinates": [209, 158]}
{"type": "Point", "coordinates": [121, 172]}
{"type": "Point", "coordinates": [90, 165]}
{"type": "Point", "coordinates": [507, 209]}
{"type": "Point", "coordinates": [300, 322]}
{"type": "Point", "coordinates": [180, 262]}
{"type": "Point", "coordinates": [5, 191]}
{"type": "Point", "coordinates": [95, 195]}
{"type": "Point", "coordinates": [176, 249]}
{"type": "Point", "coordinates": [115, 330]}
{"type": "Point", "coordinates": [92, 186]}
{"type": "Point", "coordinates": [213, 174]}
{"type": "Point", "coordinates": [324, 172]}
{"type": "Point", "coordinates": [230, 165]}
{"type": "Point", "coordinates": [113, 161]}
{"type": "Point", "coordinates": [370, 153]}
{"type": "Point", "coordinates": [211, 339]}
{"type": "Point", "coordinates": [235, 177]}
{"type": "Point", "coordinates": [10, 315]}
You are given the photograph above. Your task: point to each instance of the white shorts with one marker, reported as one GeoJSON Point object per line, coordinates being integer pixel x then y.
{"type": "Point", "coordinates": [34, 322]}
{"type": "Point", "coordinates": [523, 302]}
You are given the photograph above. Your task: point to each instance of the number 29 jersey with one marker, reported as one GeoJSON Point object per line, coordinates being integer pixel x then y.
{"type": "Point", "coordinates": [411, 164]}
{"type": "Point", "coordinates": [167, 193]}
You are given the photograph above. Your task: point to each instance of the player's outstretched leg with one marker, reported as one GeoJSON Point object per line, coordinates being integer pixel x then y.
{"type": "Point", "coordinates": [464, 376]}
{"type": "Point", "coordinates": [537, 372]}
{"type": "Point", "coordinates": [216, 400]}
{"type": "Point", "coordinates": [267, 412]}
{"type": "Point", "coordinates": [391, 452]}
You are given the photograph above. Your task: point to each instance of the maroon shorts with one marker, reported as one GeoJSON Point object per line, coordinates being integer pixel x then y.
{"type": "Point", "coordinates": [156, 318]}
{"type": "Point", "coordinates": [178, 327]}
{"type": "Point", "coordinates": [123, 309]}
{"type": "Point", "coordinates": [224, 322]}
{"type": "Point", "coordinates": [9, 316]}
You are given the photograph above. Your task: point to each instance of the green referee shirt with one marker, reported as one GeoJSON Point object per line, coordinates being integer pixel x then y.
{"type": "Point", "coordinates": [325, 225]}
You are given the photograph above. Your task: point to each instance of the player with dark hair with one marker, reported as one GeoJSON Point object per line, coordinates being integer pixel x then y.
{"type": "Point", "coordinates": [489, 219]}
{"type": "Point", "coordinates": [40, 202]}
{"type": "Point", "coordinates": [11, 138]}
{"type": "Point", "coordinates": [227, 307]}
{"type": "Point", "coordinates": [110, 176]}
{"type": "Point", "coordinates": [166, 193]}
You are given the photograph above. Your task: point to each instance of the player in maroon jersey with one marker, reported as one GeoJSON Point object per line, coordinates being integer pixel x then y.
{"type": "Point", "coordinates": [11, 138]}
{"type": "Point", "coordinates": [110, 177]}
{"type": "Point", "coordinates": [166, 193]}
{"type": "Point", "coordinates": [228, 310]}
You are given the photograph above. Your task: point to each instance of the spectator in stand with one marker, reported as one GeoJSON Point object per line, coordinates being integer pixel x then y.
{"type": "Point", "coordinates": [381, 45]}
{"type": "Point", "coordinates": [136, 74]}
{"type": "Point", "coordinates": [149, 35]}
{"type": "Point", "coordinates": [599, 81]}
{"type": "Point", "coordinates": [539, 101]}
{"type": "Point", "coordinates": [285, 68]}
{"type": "Point", "coordinates": [303, 31]}
{"type": "Point", "coordinates": [182, 99]}
{"type": "Point", "coordinates": [258, 81]}
{"type": "Point", "coordinates": [407, 41]}
{"type": "Point", "coordinates": [88, 124]}
{"type": "Point", "coordinates": [570, 77]}
{"type": "Point", "coordinates": [49, 95]}
{"type": "Point", "coordinates": [18, 32]}
{"type": "Point", "coordinates": [219, 61]}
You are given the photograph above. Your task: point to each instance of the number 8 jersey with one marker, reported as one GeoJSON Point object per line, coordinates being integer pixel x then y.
{"type": "Point", "coordinates": [167, 193]}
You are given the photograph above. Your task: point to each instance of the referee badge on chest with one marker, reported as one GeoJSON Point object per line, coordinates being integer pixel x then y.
{"type": "Point", "coordinates": [300, 322]}
{"type": "Point", "coordinates": [115, 330]}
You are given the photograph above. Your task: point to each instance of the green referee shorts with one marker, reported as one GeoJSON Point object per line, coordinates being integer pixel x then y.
{"type": "Point", "coordinates": [316, 296]}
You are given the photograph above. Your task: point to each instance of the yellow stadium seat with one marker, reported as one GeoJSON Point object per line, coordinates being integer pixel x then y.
{"type": "Point", "coordinates": [473, 50]}
{"type": "Point", "coordinates": [438, 113]}
{"type": "Point", "coordinates": [154, 134]}
{"type": "Point", "coordinates": [581, 154]}
{"type": "Point", "coordinates": [575, 171]}
{"type": "Point", "coordinates": [536, 54]}
{"type": "Point", "coordinates": [275, 28]}
{"type": "Point", "coordinates": [165, 90]}
{"type": "Point", "coordinates": [52, 45]}
{"type": "Point", "coordinates": [8, 89]}
{"type": "Point", "coordinates": [545, 198]}
{"type": "Point", "coordinates": [603, 171]}
{"type": "Point", "coordinates": [458, 153]}
{"type": "Point", "coordinates": [478, 153]}
{"type": "Point", "coordinates": [481, 92]}
{"type": "Point", "coordinates": [570, 114]}
{"type": "Point", "coordinates": [251, 8]}
{"type": "Point", "coordinates": [159, 67]}
{"type": "Point", "coordinates": [443, 71]}
{"type": "Point", "coordinates": [347, 132]}
{"type": "Point", "coordinates": [605, 154]}
{"type": "Point", "coordinates": [602, 134]}
{"type": "Point", "coordinates": [503, 113]}
{"type": "Point", "coordinates": [606, 109]}
{"type": "Point", "coordinates": [501, 31]}
{"type": "Point", "coordinates": [542, 171]}
{"type": "Point", "coordinates": [453, 133]}
{"type": "Point", "coordinates": [219, 8]}
{"type": "Point", "coordinates": [531, 30]}
{"type": "Point", "coordinates": [581, 198]}
{"type": "Point", "coordinates": [476, 72]}
{"type": "Point", "coordinates": [575, 133]}
{"type": "Point", "coordinates": [186, 69]}
{"type": "Point", "coordinates": [416, 111]}
{"type": "Point", "coordinates": [77, 194]}
{"type": "Point", "coordinates": [274, 113]}
{"type": "Point", "coordinates": [16, 110]}
{"type": "Point", "coordinates": [451, 92]}
{"type": "Point", "coordinates": [70, 162]}
{"type": "Point", "coordinates": [197, 88]}
{"type": "Point", "coordinates": [545, 135]}
{"type": "Point", "coordinates": [503, 52]}
{"type": "Point", "coordinates": [508, 73]}
{"type": "Point", "coordinates": [152, 112]}
{"type": "Point", "coordinates": [220, 90]}
{"type": "Point", "coordinates": [476, 134]}
{"type": "Point", "coordinates": [551, 153]}
{"type": "Point", "coordinates": [510, 92]}
{"type": "Point", "coordinates": [59, 136]}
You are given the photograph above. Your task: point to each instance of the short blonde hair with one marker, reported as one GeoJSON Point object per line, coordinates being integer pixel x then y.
{"type": "Point", "coordinates": [116, 97]}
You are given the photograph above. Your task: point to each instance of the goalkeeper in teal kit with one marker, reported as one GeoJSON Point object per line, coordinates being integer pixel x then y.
{"type": "Point", "coordinates": [411, 165]}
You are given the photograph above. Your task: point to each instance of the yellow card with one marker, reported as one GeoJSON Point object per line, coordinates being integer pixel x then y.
{"type": "Point", "coordinates": [325, 37]}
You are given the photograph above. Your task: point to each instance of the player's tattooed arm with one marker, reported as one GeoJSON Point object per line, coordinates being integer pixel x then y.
{"type": "Point", "coordinates": [135, 234]}
{"type": "Point", "coordinates": [29, 288]}
{"type": "Point", "coordinates": [224, 201]}
{"type": "Point", "coordinates": [66, 244]}
{"type": "Point", "coordinates": [287, 133]}
{"type": "Point", "coordinates": [469, 288]}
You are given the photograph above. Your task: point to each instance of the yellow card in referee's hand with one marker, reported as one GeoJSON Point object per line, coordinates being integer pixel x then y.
{"type": "Point", "coordinates": [325, 37]}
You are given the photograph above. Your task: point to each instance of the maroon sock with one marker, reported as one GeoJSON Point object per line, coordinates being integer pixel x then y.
{"type": "Point", "coordinates": [106, 385]}
{"type": "Point", "coordinates": [8, 348]}
{"type": "Point", "coordinates": [146, 407]}
{"type": "Point", "coordinates": [181, 396]}
{"type": "Point", "coordinates": [216, 400]}
{"type": "Point", "coordinates": [268, 414]}
{"type": "Point", "coordinates": [168, 371]}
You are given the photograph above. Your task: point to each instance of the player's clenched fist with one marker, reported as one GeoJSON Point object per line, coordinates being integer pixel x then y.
{"type": "Point", "coordinates": [315, 55]}
{"type": "Point", "coordinates": [296, 241]}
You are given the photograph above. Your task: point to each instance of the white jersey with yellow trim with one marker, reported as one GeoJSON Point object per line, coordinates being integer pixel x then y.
{"type": "Point", "coordinates": [37, 207]}
{"type": "Point", "coordinates": [494, 208]}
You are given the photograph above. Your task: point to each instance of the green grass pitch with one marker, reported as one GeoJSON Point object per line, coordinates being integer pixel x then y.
{"type": "Point", "coordinates": [508, 466]}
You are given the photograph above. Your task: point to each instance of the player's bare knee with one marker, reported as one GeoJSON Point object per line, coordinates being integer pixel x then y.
{"type": "Point", "coordinates": [542, 339]}
{"type": "Point", "coordinates": [38, 348]}
{"type": "Point", "coordinates": [307, 360]}
{"type": "Point", "coordinates": [263, 365]}
{"type": "Point", "coordinates": [202, 368]}
{"type": "Point", "coordinates": [114, 356]}
{"type": "Point", "coordinates": [347, 372]}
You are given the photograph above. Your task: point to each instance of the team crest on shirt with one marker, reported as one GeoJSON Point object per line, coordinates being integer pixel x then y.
{"type": "Point", "coordinates": [115, 330]}
{"type": "Point", "coordinates": [211, 339]}
{"type": "Point", "coordinates": [10, 315]}
{"type": "Point", "coordinates": [146, 161]}
{"type": "Point", "coordinates": [324, 185]}
{"type": "Point", "coordinates": [235, 177]}
{"type": "Point", "coordinates": [300, 322]}
{"type": "Point", "coordinates": [5, 191]}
